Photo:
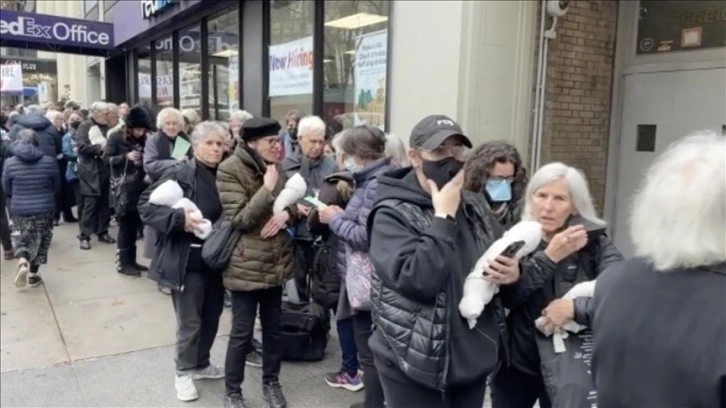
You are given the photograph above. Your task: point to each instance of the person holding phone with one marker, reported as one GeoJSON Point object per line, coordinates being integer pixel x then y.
{"type": "Point", "coordinates": [574, 249]}
{"type": "Point", "coordinates": [426, 235]}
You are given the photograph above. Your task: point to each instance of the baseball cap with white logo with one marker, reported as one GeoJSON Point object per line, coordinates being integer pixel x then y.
{"type": "Point", "coordinates": [433, 130]}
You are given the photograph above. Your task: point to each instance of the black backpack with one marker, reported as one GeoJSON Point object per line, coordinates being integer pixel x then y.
{"type": "Point", "coordinates": [305, 330]}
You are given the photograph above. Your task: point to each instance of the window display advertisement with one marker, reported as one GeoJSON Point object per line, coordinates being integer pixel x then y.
{"type": "Point", "coordinates": [371, 53]}
{"type": "Point", "coordinates": [12, 78]}
{"type": "Point", "coordinates": [291, 68]}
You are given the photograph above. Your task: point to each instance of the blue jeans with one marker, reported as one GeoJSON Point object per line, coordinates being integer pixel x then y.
{"type": "Point", "coordinates": [348, 350]}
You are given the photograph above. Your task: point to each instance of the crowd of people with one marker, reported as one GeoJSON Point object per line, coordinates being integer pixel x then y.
{"type": "Point", "coordinates": [386, 245]}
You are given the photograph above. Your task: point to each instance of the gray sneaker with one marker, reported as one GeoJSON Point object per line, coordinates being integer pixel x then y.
{"type": "Point", "coordinates": [211, 372]}
{"type": "Point", "coordinates": [254, 359]}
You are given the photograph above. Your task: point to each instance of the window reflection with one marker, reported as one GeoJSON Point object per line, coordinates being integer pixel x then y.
{"type": "Point", "coordinates": [291, 57]}
{"type": "Point", "coordinates": [164, 73]}
{"type": "Point", "coordinates": [355, 61]}
{"type": "Point", "coordinates": [143, 56]}
{"type": "Point", "coordinates": [224, 84]}
{"type": "Point", "coordinates": [190, 69]}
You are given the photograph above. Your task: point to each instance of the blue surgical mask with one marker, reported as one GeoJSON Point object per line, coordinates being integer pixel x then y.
{"type": "Point", "coordinates": [499, 190]}
{"type": "Point", "coordinates": [351, 165]}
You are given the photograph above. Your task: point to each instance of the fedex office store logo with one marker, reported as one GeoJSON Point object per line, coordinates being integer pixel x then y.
{"type": "Point", "coordinates": [58, 31]}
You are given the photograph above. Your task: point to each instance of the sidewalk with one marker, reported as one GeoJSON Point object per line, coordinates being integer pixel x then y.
{"type": "Point", "coordinates": [91, 338]}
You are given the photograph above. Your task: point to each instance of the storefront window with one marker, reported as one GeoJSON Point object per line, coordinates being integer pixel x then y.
{"type": "Point", "coordinates": [291, 57]}
{"type": "Point", "coordinates": [190, 69]}
{"type": "Point", "coordinates": [164, 72]}
{"type": "Point", "coordinates": [224, 59]}
{"type": "Point", "coordinates": [665, 26]}
{"type": "Point", "coordinates": [143, 58]}
{"type": "Point", "coordinates": [355, 61]}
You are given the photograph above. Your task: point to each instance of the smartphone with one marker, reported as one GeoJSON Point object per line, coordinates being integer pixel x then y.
{"type": "Point", "coordinates": [511, 250]}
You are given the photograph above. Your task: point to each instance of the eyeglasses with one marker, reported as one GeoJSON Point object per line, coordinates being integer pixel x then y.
{"type": "Point", "coordinates": [272, 141]}
{"type": "Point", "coordinates": [458, 152]}
{"type": "Point", "coordinates": [500, 178]}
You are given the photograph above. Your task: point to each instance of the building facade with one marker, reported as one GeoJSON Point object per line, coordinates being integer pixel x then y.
{"type": "Point", "coordinates": [601, 85]}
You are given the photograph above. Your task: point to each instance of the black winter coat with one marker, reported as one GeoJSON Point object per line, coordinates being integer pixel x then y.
{"type": "Point", "coordinates": [92, 169]}
{"type": "Point", "coordinates": [543, 281]}
{"type": "Point", "coordinates": [117, 147]}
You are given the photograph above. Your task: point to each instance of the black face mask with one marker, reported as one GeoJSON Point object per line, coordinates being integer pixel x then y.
{"type": "Point", "coordinates": [442, 171]}
{"type": "Point", "coordinates": [75, 124]}
{"type": "Point", "coordinates": [293, 133]}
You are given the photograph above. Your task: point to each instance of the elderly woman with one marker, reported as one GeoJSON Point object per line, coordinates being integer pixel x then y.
{"type": "Point", "coordinates": [495, 169]}
{"type": "Point", "coordinates": [197, 291]}
{"type": "Point", "coordinates": [61, 202]}
{"type": "Point", "coordinates": [191, 119]}
{"type": "Point", "coordinates": [396, 150]}
{"type": "Point", "coordinates": [364, 149]}
{"type": "Point", "coordinates": [124, 152]}
{"type": "Point", "coordinates": [574, 249]}
{"type": "Point", "coordinates": [665, 307]}
{"type": "Point", "coordinates": [236, 120]}
{"type": "Point", "coordinates": [158, 158]}
{"type": "Point", "coordinates": [31, 180]}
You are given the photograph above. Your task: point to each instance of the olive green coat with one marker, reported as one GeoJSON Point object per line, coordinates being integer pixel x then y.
{"type": "Point", "coordinates": [256, 263]}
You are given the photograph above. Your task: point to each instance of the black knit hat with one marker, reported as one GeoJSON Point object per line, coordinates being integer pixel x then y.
{"type": "Point", "coordinates": [259, 127]}
{"type": "Point", "coordinates": [138, 118]}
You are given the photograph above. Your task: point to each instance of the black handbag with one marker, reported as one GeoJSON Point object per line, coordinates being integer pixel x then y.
{"type": "Point", "coordinates": [304, 328]}
{"type": "Point", "coordinates": [119, 190]}
{"type": "Point", "coordinates": [218, 247]}
{"type": "Point", "coordinates": [567, 376]}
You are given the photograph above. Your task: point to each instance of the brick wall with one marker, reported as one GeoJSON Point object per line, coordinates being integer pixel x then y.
{"type": "Point", "coordinates": [579, 85]}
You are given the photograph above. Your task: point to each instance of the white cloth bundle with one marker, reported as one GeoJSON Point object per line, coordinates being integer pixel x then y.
{"type": "Point", "coordinates": [96, 137]}
{"type": "Point", "coordinates": [584, 289]}
{"type": "Point", "coordinates": [478, 292]}
{"type": "Point", "coordinates": [170, 194]}
{"type": "Point", "coordinates": [294, 190]}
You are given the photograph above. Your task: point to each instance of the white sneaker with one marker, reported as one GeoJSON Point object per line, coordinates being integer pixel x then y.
{"type": "Point", "coordinates": [21, 277]}
{"type": "Point", "coordinates": [212, 372]}
{"type": "Point", "coordinates": [185, 388]}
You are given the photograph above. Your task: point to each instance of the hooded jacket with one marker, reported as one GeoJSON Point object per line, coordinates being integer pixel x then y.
{"type": "Point", "coordinates": [542, 281]}
{"type": "Point", "coordinates": [256, 262]}
{"type": "Point", "coordinates": [420, 263]}
{"type": "Point", "coordinates": [92, 169]}
{"type": "Point", "coordinates": [31, 179]}
{"type": "Point", "coordinates": [48, 139]}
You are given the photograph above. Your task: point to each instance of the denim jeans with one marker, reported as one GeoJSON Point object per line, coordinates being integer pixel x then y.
{"type": "Point", "coordinates": [348, 349]}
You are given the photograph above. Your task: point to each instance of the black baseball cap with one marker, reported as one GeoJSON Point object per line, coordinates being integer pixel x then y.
{"type": "Point", "coordinates": [433, 130]}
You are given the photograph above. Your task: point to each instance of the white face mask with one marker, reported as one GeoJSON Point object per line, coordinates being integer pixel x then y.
{"type": "Point", "coordinates": [351, 165]}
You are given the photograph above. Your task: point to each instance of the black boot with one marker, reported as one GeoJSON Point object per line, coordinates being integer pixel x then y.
{"type": "Point", "coordinates": [124, 266]}
{"type": "Point", "coordinates": [272, 394]}
{"type": "Point", "coordinates": [136, 265]}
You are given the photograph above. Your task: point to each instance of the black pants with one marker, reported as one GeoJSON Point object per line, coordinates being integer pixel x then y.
{"type": "Point", "coordinates": [63, 198]}
{"type": "Point", "coordinates": [198, 309]}
{"type": "Point", "coordinates": [96, 212]}
{"type": "Point", "coordinates": [512, 388]}
{"type": "Point", "coordinates": [402, 392]}
{"type": "Point", "coordinates": [244, 310]}
{"type": "Point", "coordinates": [4, 224]}
{"type": "Point", "coordinates": [128, 229]}
{"type": "Point", "coordinates": [363, 328]}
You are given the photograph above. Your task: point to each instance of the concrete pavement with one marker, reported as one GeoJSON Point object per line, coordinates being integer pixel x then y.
{"type": "Point", "coordinates": [91, 338]}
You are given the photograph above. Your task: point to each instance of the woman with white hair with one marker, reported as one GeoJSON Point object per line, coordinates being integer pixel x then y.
{"type": "Point", "coordinates": [236, 120]}
{"type": "Point", "coordinates": [659, 319]}
{"type": "Point", "coordinates": [191, 119]}
{"type": "Point", "coordinates": [574, 249]}
{"type": "Point", "coordinates": [396, 150]}
{"type": "Point", "coordinates": [162, 151]}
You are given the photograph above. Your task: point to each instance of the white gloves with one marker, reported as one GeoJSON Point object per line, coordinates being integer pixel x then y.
{"type": "Point", "coordinates": [478, 292]}
{"type": "Point", "coordinates": [294, 190]}
{"type": "Point", "coordinates": [170, 194]}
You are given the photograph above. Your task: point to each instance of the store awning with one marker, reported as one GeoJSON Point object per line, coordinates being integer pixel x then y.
{"type": "Point", "coordinates": [44, 32]}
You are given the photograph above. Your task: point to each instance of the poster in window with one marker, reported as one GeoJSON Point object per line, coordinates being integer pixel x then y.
{"type": "Point", "coordinates": [665, 26]}
{"type": "Point", "coordinates": [371, 57]}
{"type": "Point", "coordinates": [233, 89]}
{"type": "Point", "coordinates": [291, 68]}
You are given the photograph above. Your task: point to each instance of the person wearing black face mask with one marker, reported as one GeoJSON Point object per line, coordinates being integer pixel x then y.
{"type": "Point", "coordinates": [288, 140]}
{"type": "Point", "coordinates": [426, 235]}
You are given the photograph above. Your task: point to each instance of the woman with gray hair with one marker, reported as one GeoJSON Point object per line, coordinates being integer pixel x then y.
{"type": "Point", "coordinates": [236, 120]}
{"type": "Point", "coordinates": [197, 290]}
{"type": "Point", "coordinates": [665, 307]}
{"type": "Point", "coordinates": [158, 158]}
{"type": "Point", "coordinates": [574, 249]}
{"type": "Point", "coordinates": [396, 150]}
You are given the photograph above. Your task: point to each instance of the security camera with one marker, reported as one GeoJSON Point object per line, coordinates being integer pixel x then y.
{"type": "Point", "coordinates": [557, 8]}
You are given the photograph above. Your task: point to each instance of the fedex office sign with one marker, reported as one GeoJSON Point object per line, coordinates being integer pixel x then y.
{"type": "Point", "coordinates": [153, 7]}
{"type": "Point", "coordinates": [54, 30]}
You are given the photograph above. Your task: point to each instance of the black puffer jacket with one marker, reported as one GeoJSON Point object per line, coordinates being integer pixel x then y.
{"type": "Point", "coordinates": [420, 263]}
{"type": "Point", "coordinates": [542, 281]}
